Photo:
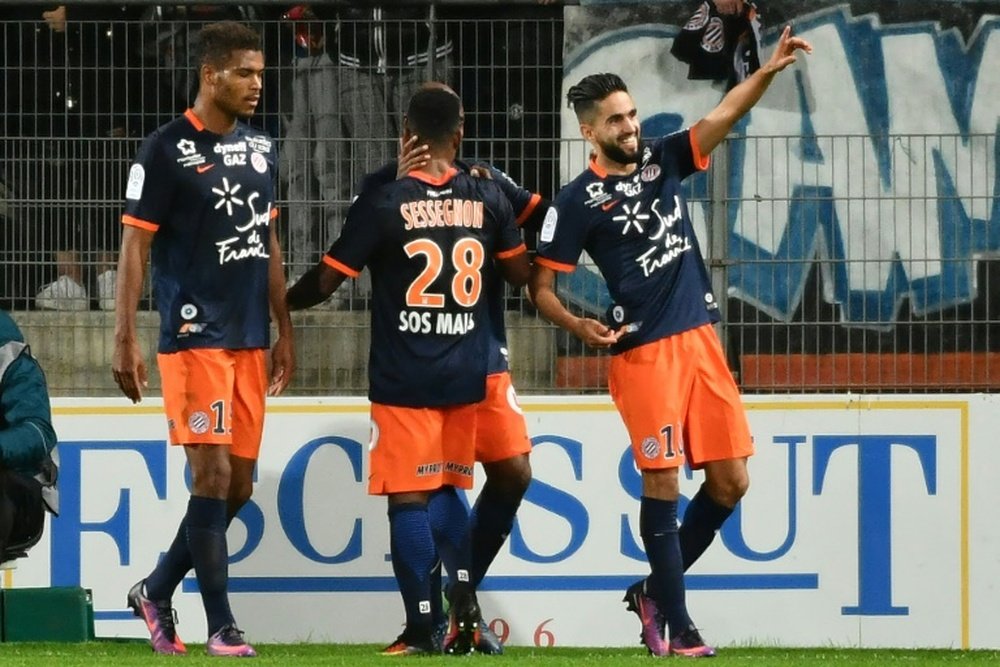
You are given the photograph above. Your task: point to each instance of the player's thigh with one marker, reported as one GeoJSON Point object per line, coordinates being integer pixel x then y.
{"type": "Point", "coordinates": [197, 393]}
{"type": "Point", "coordinates": [247, 408]}
{"type": "Point", "coordinates": [650, 389]}
{"type": "Point", "coordinates": [458, 444]}
{"type": "Point", "coordinates": [501, 432]}
{"type": "Point", "coordinates": [406, 453]}
{"type": "Point", "coordinates": [716, 421]}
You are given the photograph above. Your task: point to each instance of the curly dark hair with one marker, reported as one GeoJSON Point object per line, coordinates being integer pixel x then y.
{"type": "Point", "coordinates": [217, 41]}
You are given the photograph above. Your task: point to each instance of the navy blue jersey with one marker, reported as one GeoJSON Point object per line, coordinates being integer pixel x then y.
{"type": "Point", "coordinates": [523, 202]}
{"type": "Point", "coordinates": [428, 244]}
{"type": "Point", "coordinates": [637, 230]}
{"type": "Point", "coordinates": [210, 201]}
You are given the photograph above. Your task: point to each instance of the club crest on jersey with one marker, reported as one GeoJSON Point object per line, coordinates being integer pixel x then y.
{"type": "Point", "coordinates": [650, 172]}
{"type": "Point", "coordinates": [258, 162]}
{"type": "Point", "coordinates": [198, 422]}
{"type": "Point", "coordinates": [186, 147]}
{"type": "Point", "coordinates": [650, 447]}
{"type": "Point", "coordinates": [597, 194]}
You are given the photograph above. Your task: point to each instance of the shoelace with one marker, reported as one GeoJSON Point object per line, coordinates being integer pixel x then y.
{"type": "Point", "coordinates": [231, 635]}
{"type": "Point", "coordinates": [167, 616]}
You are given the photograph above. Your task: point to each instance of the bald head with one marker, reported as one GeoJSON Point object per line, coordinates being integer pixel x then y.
{"type": "Point", "coordinates": [435, 114]}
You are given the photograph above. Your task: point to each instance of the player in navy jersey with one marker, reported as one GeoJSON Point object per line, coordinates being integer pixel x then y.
{"type": "Point", "coordinates": [669, 378]}
{"type": "Point", "coordinates": [502, 443]}
{"type": "Point", "coordinates": [427, 239]}
{"type": "Point", "coordinates": [200, 203]}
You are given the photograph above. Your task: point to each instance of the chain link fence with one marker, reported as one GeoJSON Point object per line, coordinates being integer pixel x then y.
{"type": "Point", "coordinates": [842, 271]}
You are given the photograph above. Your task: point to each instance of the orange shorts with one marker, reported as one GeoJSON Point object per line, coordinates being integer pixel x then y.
{"type": "Point", "coordinates": [678, 399]}
{"type": "Point", "coordinates": [421, 449]}
{"type": "Point", "coordinates": [215, 397]}
{"type": "Point", "coordinates": [500, 429]}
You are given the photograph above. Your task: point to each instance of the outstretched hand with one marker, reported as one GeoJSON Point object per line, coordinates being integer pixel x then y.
{"type": "Point", "coordinates": [784, 53]}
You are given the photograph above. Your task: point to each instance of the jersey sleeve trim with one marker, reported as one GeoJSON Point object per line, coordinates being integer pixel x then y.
{"type": "Point", "coordinates": [133, 221]}
{"type": "Point", "coordinates": [700, 161]}
{"type": "Point", "coordinates": [526, 213]}
{"type": "Point", "coordinates": [504, 254]}
{"type": "Point", "coordinates": [340, 266]}
{"type": "Point", "coordinates": [554, 265]}
{"type": "Point", "coordinates": [198, 125]}
{"type": "Point", "coordinates": [274, 213]}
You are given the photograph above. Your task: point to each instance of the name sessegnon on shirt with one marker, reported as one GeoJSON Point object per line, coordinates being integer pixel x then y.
{"type": "Point", "coordinates": [427, 243]}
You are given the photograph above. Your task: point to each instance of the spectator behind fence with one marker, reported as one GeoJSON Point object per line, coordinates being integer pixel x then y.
{"type": "Point", "coordinates": [27, 472]}
{"type": "Point", "coordinates": [354, 71]}
{"type": "Point", "coordinates": [65, 87]}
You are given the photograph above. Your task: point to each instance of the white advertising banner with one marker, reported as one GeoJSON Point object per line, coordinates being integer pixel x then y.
{"type": "Point", "coordinates": [869, 522]}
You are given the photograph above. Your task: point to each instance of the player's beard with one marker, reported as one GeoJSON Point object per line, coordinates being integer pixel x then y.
{"type": "Point", "coordinates": [614, 152]}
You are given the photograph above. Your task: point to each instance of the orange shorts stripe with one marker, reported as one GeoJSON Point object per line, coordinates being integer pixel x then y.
{"type": "Point", "coordinates": [678, 400]}
{"type": "Point", "coordinates": [421, 449]}
{"type": "Point", "coordinates": [501, 431]}
{"type": "Point", "coordinates": [215, 397]}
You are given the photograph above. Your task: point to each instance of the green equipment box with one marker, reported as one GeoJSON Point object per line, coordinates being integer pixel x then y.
{"type": "Point", "coordinates": [59, 614]}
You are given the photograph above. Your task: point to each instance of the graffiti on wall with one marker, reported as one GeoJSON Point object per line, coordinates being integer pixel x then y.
{"type": "Point", "coordinates": [875, 159]}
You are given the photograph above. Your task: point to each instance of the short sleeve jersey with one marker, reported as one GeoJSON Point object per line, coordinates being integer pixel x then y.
{"type": "Point", "coordinates": [523, 202]}
{"type": "Point", "coordinates": [637, 230]}
{"type": "Point", "coordinates": [210, 201]}
{"type": "Point", "coordinates": [428, 243]}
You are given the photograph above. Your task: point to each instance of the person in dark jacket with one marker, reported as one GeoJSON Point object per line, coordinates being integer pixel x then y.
{"type": "Point", "coordinates": [27, 472]}
{"type": "Point", "coordinates": [354, 70]}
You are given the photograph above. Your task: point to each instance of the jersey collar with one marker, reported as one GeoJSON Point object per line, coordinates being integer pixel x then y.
{"type": "Point", "coordinates": [430, 180]}
{"type": "Point", "coordinates": [198, 125]}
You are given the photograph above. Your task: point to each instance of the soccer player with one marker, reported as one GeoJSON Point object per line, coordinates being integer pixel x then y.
{"type": "Point", "coordinates": [668, 378]}
{"type": "Point", "coordinates": [427, 239]}
{"type": "Point", "coordinates": [502, 443]}
{"type": "Point", "coordinates": [200, 200]}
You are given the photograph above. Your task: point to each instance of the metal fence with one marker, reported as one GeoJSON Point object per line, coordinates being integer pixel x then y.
{"type": "Point", "coordinates": [839, 276]}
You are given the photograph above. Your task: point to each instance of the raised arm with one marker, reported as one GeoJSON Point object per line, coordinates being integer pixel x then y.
{"type": "Point", "coordinates": [713, 128]}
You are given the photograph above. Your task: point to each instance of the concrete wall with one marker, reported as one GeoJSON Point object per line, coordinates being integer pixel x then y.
{"type": "Point", "coordinates": [75, 349]}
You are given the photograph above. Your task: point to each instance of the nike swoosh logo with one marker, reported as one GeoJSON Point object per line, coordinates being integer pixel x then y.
{"type": "Point", "coordinates": [201, 169]}
{"type": "Point", "coordinates": [610, 205]}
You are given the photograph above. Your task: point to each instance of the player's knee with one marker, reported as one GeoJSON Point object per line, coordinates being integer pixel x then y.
{"type": "Point", "coordinates": [210, 481]}
{"type": "Point", "coordinates": [728, 489]}
{"type": "Point", "coordinates": [239, 494]}
{"type": "Point", "coordinates": [509, 478]}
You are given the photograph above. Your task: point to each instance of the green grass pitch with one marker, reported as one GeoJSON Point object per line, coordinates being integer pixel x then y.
{"type": "Point", "coordinates": [123, 654]}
